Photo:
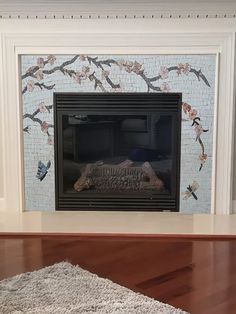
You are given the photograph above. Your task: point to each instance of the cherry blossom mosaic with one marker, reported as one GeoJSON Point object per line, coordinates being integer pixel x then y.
{"type": "Point", "coordinates": [192, 75]}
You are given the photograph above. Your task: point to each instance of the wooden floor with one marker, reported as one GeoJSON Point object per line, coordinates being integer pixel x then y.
{"type": "Point", "coordinates": [196, 275]}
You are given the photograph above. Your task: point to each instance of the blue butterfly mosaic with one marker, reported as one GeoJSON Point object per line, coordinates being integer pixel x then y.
{"type": "Point", "coordinates": [42, 170]}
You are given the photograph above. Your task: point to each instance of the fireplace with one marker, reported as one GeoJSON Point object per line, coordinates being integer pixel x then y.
{"type": "Point", "coordinates": [117, 151]}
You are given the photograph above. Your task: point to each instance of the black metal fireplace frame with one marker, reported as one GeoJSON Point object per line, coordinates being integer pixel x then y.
{"type": "Point", "coordinates": [110, 103]}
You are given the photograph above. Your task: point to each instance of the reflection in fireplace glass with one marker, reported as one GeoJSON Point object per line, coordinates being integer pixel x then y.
{"type": "Point", "coordinates": [117, 153]}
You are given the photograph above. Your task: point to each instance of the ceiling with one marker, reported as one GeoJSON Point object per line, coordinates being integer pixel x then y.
{"type": "Point", "coordinates": [104, 8]}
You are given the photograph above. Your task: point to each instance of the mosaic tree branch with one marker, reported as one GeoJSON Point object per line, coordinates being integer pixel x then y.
{"type": "Point", "coordinates": [192, 115]}
{"type": "Point", "coordinates": [43, 124]}
{"type": "Point", "coordinates": [199, 130]}
{"type": "Point", "coordinates": [179, 70]}
{"type": "Point", "coordinates": [31, 72]}
{"type": "Point", "coordinates": [110, 62]}
{"type": "Point", "coordinates": [62, 66]}
{"type": "Point", "coordinates": [198, 74]}
{"type": "Point", "coordinates": [99, 64]}
{"type": "Point", "coordinates": [148, 81]}
{"type": "Point", "coordinates": [130, 66]}
{"type": "Point", "coordinates": [30, 86]}
{"type": "Point", "coordinates": [79, 76]}
{"type": "Point", "coordinates": [97, 82]}
{"type": "Point", "coordinates": [203, 156]}
{"type": "Point", "coordinates": [137, 68]}
{"type": "Point", "coordinates": [202, 146]}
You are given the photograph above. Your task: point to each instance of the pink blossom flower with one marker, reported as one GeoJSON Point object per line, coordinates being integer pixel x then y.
{"type": "Point", "coordinates": [50, 140]}
{"type": "Point", "coordinates": [86, 69]}
{"type": "Point", "coordinates": [137, 67]}
{"type": "Point", "coordinates": [165, 87]}
{"type": "Point", "coordinates": [203, 158]}
{"type": "Point", "coordinates": [183, 68]}
{"type": "Point", "coordinates": [186, 107]}
{"type": "Point", "coordinates": [192, 114]}
{"type": "Point", "coordinates": [128, 67]}
{"type": "Point", "coordinates": [40, 62]}
{"type": "Point", "coordinates": [129, 63]}
{"type": "Point", "coordinates": [164, 72]}
{"type": "Point", "coordinates": [79, 76]}
{"type": "Point", "coordinates": [120, 63]}
{"type": "Point", "coordinates": [42, 108]}
{"type": "Point", "coordinates": [51, 59]}
{"type": "Point", "coordinates": [83, 57]}
{"type": "Point", "coordinates": [39, 75]}
{"type": "Point", "coordinates": [44, 127]}
{"type": "Point", "coordinates": [30, 85]}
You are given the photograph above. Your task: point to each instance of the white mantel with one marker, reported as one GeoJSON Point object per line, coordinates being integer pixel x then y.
{"type": "Point", "coordinates": [148, 35]}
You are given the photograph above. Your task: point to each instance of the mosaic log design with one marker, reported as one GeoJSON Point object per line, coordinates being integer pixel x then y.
{"type": "Point", "coordinates": [36, 75]}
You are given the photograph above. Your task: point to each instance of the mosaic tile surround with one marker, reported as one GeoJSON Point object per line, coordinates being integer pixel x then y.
{"type": "Point", "coordinates": [192, 75]}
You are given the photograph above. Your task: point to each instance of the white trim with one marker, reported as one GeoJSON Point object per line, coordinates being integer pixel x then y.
{"type": "Point", "coordinates": [225, 125]}
{"type": "Point", "coordinates": [61, 42]}
{"type": "Point", "coordinates": [214, 146]}
{"type": "Point", "coordinates": [125, 43]}
{"type": "Point", "coordinates": [12, 130]}
{"type": "Point", "coordinates": [118, 50]}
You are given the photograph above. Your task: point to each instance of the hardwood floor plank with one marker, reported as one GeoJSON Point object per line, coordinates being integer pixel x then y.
{"type": "Point", "coordinates": [196, 275]}
{"type": "Point", "coordinates": [165, 277]}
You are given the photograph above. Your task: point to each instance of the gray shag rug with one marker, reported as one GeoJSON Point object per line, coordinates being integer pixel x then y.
{"type": "Point", "coordinates": [64, 288]}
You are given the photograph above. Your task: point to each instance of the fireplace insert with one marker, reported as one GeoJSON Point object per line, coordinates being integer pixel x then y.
{"type": "Point", "coordinates": [117, 151]}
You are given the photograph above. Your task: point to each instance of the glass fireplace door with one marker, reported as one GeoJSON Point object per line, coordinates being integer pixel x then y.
{"type": "Point", "coordinates": [117, 157]}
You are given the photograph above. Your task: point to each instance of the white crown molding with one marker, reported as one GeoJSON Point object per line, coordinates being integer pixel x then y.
{"type": "Point", "coordinates": [145, 15]}
{"type": "Point", "coordinates": [117, 9]}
